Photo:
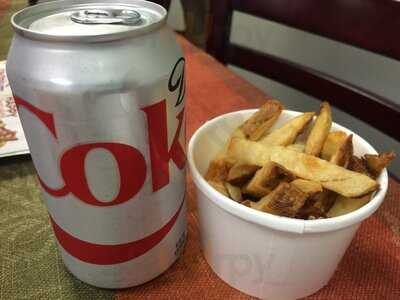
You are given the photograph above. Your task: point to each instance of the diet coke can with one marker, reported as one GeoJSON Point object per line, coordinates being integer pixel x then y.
{"type": "Point", "coordinates": [100, 91]}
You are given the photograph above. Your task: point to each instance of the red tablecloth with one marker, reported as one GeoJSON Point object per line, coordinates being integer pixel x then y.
{"type": "Point", "coordinates": [371, 266]}
{"type": "Point", "coordinates": [31, 267]}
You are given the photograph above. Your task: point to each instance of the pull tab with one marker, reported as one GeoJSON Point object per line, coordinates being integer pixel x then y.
{"type": "Point", "coordinates": [106, 16]}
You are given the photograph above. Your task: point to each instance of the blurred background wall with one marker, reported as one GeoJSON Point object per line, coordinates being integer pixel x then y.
{"type": "Point", "coordinates": [365, 69]}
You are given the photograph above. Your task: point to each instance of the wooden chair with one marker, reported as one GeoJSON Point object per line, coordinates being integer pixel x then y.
{"type": "Point", "coordinates": [165, 3]}
{"type": "Point", "coordinates": [367, 24]}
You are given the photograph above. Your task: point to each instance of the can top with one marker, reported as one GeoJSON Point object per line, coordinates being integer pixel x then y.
{"type": "Point", "coordinates": [88, 20]}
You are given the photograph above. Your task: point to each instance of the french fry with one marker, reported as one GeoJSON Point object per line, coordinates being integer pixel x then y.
{"type": "Point", "coordinates": [345, 205]}
{"type": "Point", "coordinates": [343, 153]}
{"type": "Point", "coordinates": [257, 191]}
{"type": "Point", "coordinates": [341, 157]}
{"type": "Point", "coordinates": [218, 170]}
{"type": "Point", "coordinates": [258, 124]}
{"type": "Point", "coordinates": [334, 140]}
{"type": "Point", "coordinates": [376, 163]}
{"type": "Point", "coordinates": [265, 178]}
{"type": "Point", "coordinates": [284, 175]}
{"type": "Point", "coordinates": [323, 201]}
{"type": "Point", "coordinates": [241, 173]}
{"type": "Point", "coordinates": [340, 180]}
{"type": "Point", "coordinates": [319, 131]}
{"type": "Point", "coordinates": [246, 203]}
{"type": "Point", "coordinates": [254, 125]}
{"type": "Point", "coordinates": [261, 121]}
{"type": "Point", "coordinates": [219, 186]}
{"type": "Point", "coordinates": [358, 165]}
{"type": "Point", "coordinates": [249, 152]}
{"type": "Point", "coordinates": [234, 192]}
{"type": "Point", "coordinates": [287, 134]}
{"type": "Point", "coordinates": [297, 147]}
{"type": "Point", "coordinates": [284, 200]}
{"type": "Point", "coordinates": [307, 186]}
{"type": "Point", "coordinates": [309, 211]}
{"type": "Point", "coordinates": [258, 186]}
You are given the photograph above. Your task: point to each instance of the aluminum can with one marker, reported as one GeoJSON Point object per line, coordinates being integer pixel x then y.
{"type": "Point", "coordinates": [100, 91]}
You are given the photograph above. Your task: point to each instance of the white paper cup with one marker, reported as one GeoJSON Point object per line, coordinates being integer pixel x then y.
{"type": "Point", "coordinates": [260, 254]}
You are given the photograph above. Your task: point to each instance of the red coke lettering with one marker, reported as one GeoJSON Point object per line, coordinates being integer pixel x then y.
{"type": "Point", "coordinates": [160, 155]}
{"type": "Point", "coordinates": [130, 162]}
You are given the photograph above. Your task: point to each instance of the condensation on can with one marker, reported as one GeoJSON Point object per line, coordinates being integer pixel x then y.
{"type": "Point", "coordinates": [100, 92]}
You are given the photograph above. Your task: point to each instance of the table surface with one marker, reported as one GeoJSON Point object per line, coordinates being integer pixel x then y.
{"type": "Point", "coordinates": [31, 267]}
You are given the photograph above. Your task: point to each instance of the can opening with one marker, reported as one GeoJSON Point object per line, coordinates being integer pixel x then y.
{"type": "Point", "coordinates": [109, 16]}
{"type": "Point", "coordinates": [88, 21]}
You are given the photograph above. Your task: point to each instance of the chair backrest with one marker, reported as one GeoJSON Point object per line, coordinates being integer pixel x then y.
{"type": "Point", "coordinates": [165, 3]}
{"type": "Point", "coordinates": [369, 24]}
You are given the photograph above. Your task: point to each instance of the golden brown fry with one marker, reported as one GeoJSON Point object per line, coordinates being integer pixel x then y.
{"type": "Point", "coordinates": [309, 211]}
{"type": "Point", "coordinates": [323, 201]}
{"type": "Point", "coordinates": [343, 153]}
{"type": "Point", "coordinates": [332, 177]}
{"type": "Point", "coordinates": [287, 134]}
{"type": "Point", "coordinates": [340, 180]}
{"type": "Point", "coordinates": [345, 205]}
{"type": "Point", "coordinates": [341, 157]}
{"type": "Point", "coordinates": [261, 121]}
{"type": "Point", "coordinates": [219, 186]}
{"type": "Point", "coordinates": [258, 124]}
{"type": "Point", "coordinates": [284, 200]}
{"type": "Point", "coordinates": [376, 163]}
{"type": "Point", "coordinates": [284, 175]}
{"type": "Point", "coordinates": [263, 181]}
{"type": "Point", "coordinates": [333, 141]}
{"type": "Point", "coordinates": [234, 192]}
{"type": "Point", "coordinates": [297, 147]}
{"type": "Point", "coordinates": [319, 131]}
{"type": "Point", "coordinates": [241, 173]}
{"type": "Point", "coordinates": [307, 186]}
{"type": "Point", "coordinates": [246, 203]}
{"type": "Point", "coordinates": [218, 170]}
{"type": "Point", "coordinates": [249, 152]}
{"type": "Point", "coordinates": [358, 165]}
{"type": "Point", "coordinates": [257, 191]}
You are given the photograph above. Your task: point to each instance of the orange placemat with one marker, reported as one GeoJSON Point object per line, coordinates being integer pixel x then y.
{"type": "Point", "coordinates": [370, 268]}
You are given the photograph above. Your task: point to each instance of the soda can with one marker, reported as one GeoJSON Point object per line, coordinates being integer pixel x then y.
{"type": "Point", "coordinates": [100, 91]}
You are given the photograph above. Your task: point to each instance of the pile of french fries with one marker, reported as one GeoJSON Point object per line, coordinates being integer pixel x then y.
{"type": "Point", "coordinates": [284, 172]}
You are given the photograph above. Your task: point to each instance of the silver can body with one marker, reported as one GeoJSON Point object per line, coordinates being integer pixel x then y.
{"type": "Point", "coordinates": [103, 117]}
